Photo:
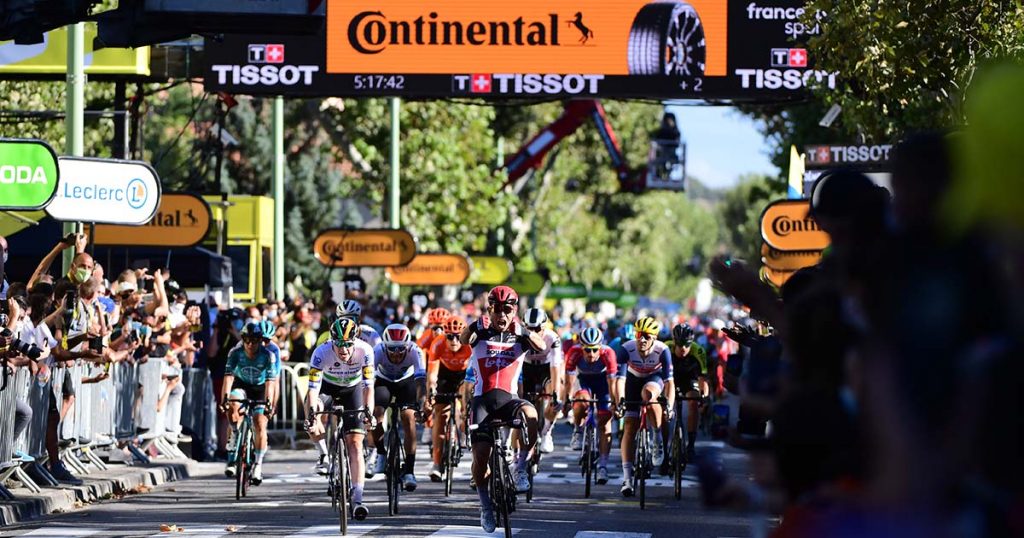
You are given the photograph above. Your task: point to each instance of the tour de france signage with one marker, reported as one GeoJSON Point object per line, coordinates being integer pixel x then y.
{"type": "Point", "coordinates": [28, 174]}
{"type": "Point", "coordinates": [105, 191]}
{"type": "Point", "coordinates": [432, 270]}
{"type": "Point", "coordinates": [787, 225]}
{"type": "Point", "coordinates": [364, 247]}
{"type": "Point", "coordinates": [182, 220]}
{"type": "Point", "coordinates": [710, 49]}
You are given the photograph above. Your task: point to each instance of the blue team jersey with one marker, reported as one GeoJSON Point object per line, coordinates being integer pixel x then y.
{"type": "Point", "coordinates": [254, 371]}
{"type": "Point", "coordinates": [276, 352]}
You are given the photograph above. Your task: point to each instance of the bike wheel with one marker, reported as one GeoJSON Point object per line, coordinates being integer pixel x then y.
{"type": "Point", "coordinates": [640, 472]}
{"type": "Point", "coordinates": [394, 469]}
{"type": "Point", "coordinates": [588, 459]}
{"type": "Point", "coordinates": [241, 467]}
{"type": "Point", "coordinates": [341, 484]}
{"type": "Point", "coordinates": [678, 462]}
{"type": "Point", "coordinates": [450, 455]}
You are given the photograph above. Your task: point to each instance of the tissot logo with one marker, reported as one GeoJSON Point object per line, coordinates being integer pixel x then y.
{"type": "Point", "coordinates": [789, 57]}
{"type": "Point", "coordinates": [370, 32]}
{"type": "Point", "coordinates": [266, 54]}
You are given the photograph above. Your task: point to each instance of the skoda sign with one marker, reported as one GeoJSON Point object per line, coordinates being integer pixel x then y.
{"type": "Point", "coordinates": [105, 191]}
{"type": "Point", "coordinates": [28, 174]}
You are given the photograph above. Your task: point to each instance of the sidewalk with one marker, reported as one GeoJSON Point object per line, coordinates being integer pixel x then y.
{"type": "Point", "coordinates": [118, 481]}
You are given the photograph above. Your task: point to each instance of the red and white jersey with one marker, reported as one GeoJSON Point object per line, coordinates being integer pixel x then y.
{"type": "Point", "coordinates": [552, 355]}
{"type": "Point", "coordinates": [498, 360]}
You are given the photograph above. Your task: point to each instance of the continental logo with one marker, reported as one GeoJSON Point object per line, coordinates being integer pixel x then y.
{"type": "Point", "coordinates": [786, 225]}
{"type": "Point", "coordinates": [783, 225]}
{"type": "Point", "coordinates": [370, 32]}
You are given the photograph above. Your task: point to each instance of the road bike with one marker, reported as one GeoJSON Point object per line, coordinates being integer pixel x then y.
{"type": "Point", "coordinates": [501, 486]}
{"type": "Point", "coordinates": [339, 481]}
{"type": "Point", "coordinates": [588, 459]}
{"type": "Point", "coordinates": [395, 454]}
{"type": "Point", "coordinates": [451, 454]}
{"type": "Point", "coordinates": [643, 453]}
{"type": "Point", "coordinates": [677, 450]}
{"type": "Point", "coordinates": [245, 451]}
{"type": "Point", "coordinates": [539, 400]}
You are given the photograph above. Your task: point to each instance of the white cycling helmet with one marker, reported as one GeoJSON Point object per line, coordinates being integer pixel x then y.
{"type": "Point", "coordinates": [349, 309]}
{"type": "Point", "coordinates": [396, 336]}
{"type": "Point", "coordinates": [591, 336]}
{"type": "Point", "coordinates": [534, 317]}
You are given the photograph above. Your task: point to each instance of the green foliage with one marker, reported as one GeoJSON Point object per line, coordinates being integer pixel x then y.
{"type": "Point", "coordinates": [739, 215]}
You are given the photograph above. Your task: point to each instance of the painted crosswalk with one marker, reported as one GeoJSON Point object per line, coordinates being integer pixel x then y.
{"type": "Point", "coordinates": [462, 531]}
{"type": "Point", "coordinates": [332, 530]}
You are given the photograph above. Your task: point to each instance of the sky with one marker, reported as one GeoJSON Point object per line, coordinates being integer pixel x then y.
{"type": "Point", "coordinates": [721, 145]}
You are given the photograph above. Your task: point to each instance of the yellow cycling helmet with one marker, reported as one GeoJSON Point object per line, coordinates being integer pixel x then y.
{"type": "Point", "coordinates": [647, 325]}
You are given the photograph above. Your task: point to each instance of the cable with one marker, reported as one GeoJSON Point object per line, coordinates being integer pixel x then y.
{"type": "Point", "coordinates": [177, 137]}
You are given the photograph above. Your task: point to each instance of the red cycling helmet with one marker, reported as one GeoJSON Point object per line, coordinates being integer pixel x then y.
{"type": "Point", "coordinates": [503, 295]}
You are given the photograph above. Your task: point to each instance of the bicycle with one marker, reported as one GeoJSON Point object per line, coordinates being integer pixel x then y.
{"type": "Point", "coordinates": [395, 455]}
{"type": "Point", "coordinates": [501, 486]}
{"type": "Point", "coordinates": [245, 446]}
{"type": "Point", "coordinates": [677, 450]}
{"type": "Point", "coordinates": [451, 454]}
{"type": "Point", "coordinates": [339, 482]}
{"type": "Point", "coordinates": [643, 456]}
{"type": "Point", "coordinates": [588, 458]}
{"type": "Point", "coordinates": [539, 400]}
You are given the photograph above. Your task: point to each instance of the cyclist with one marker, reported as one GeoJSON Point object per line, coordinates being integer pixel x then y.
{"type": "Point", "coordinates": [268, 329]}
{"type": "Point", "coordinates": [689, 369]}
{"type": "Point", "coordinates": [626, 333]}
{"type": "Point", "coordinates": [400, 375]}
{"type": "Point", "coordinates": [250, 369]}
{"type": "Point", "coordinates": [434, 331]}
{"type": "Point", "coordinates": [542, 372]}
{"type": "Point", "coordinates": [446, 371]}
{"type": "Point", "coordinates": [351, 309]}
{"type": "Point", "coordinates": [341, 373]}
{"type": "Point", "coordinates": [644, 366]}
{"type": "Point", "coordinates": [595, 366]}
{"type": "Point", "coordinates": [499, 347]}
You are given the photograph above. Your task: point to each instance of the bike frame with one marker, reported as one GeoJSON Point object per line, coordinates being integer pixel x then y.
{"type": "Point", "coordinates": [590, 447]}
{"type": "Point", "coordinates": [245, 446]}
{"type": "Point", "coordinates": [339, 479]}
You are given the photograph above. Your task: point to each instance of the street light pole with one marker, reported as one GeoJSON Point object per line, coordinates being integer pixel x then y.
{"type": "Point", "coordinates": [394, 192]}
{"type": "Point", "coordinates": [278, 198]}
{"type": "Point", "coordinates": [74, 113]}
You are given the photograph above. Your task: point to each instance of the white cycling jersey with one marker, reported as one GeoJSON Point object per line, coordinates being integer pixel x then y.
{"type": "Point", "coordinates": [325, 361]}
{"type": "Point", "coordinates": [552, 356]}
{"type": "Point", "coordinates": [411, 365]}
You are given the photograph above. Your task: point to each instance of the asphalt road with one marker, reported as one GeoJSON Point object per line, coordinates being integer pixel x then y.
{"type": "Point", "coordinates": [292, 502]}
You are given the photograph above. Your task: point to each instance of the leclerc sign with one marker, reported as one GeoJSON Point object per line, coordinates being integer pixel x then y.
{"type": "Point", "coordinates": [28, 174]}
{"type": "Point", "coordinates": [105, 191]}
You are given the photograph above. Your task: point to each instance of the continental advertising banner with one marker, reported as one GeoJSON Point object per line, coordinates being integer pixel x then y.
{"type": "Point", "coordinates": [50, 57]}
{"type": "Point", "coordinates": [713, 49]}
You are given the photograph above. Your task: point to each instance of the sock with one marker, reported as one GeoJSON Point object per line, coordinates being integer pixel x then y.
{"type": "Point", "coordinates": [627, 472]}
{"type": "Point", "coordinates": [691, 437]}
{"type": "Point", "coordinates": [602, 460]}
{"type": "Point", "coordinates": [410, 463]}
{"type": "Point", "coordinates": [321, 447]}
{"type": "Point", "coordinates": [357, 493]}
{"type": "Point", "coordinates": [485, 497]}
{"type": "Point", "coordinates": [259, 456]}
{"type": "Point", "coordinates": [547, 428]}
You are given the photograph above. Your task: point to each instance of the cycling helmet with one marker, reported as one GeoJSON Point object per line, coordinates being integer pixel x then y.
{"type": "Point", "coordinates": [647, 325]}
{"type": "Point", "coordinates": [503, 295]}
{"type": "Point", "coordinates": [396, 335]}
{"type": "Point", "coordinates": [627, 332]}
{"type": "Point", "coordinates": [344, 330]}
{"type": "Point", "coordinates": [591, 337]}
{"type": "Point", "coordinates": [235, 313]}
{"type": "Point", "coordinates": [252, 330]}
{"type": "Point", "coordinates": [454, 325]}
{"type": "Point", "coordinates": [534, 317]}
{"type": "Point", "coordinates": [437, 316]}
{"type": "Point", "coordinates": [267, 328]}
{"type": "Point", "coordinates": [682, 334]}
{"type": "Point", "coordinates": [349, 309]}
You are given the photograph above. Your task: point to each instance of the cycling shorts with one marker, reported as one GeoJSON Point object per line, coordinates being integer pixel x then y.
{"type": "Point", "coordinates": [448, 382]}
{"type": "Point", "coordinates": [596, 386]}
{"type": "Point", "coordinates": [535, 377]}
{"type": "Point", "coordinates": [495, 404]}
{"type": "Point", "coordinates": [634, 391]}
{"type": "Point", "coordinates": [404, 392]}
{"type": "Point", "coordinates": [241, 391]}
{"type": "Point", "coordinates": [351, 398]}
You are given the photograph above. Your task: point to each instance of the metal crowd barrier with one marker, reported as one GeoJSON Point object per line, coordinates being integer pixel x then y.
{"type": "Point", "coordinates": [8, 398]}
{"type": "Point", "coordinates": [288, 418]}
{"type": "Point", "coordinates": [199, 411]}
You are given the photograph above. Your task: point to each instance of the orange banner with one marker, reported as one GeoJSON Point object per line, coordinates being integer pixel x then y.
{"type": "Point", "coordinates": [364, 248]}
{"type": "Point", "coordinates": [787, 225]}
{"type": "Point", "coordinates": [431, 270]}
{"type": "Point", "coordinates": [181, 220]}
{"type": "Point", "coordinates": [775, 277]}
{"type": "Point", "coordinates": [529, 36]}
{"type": "Point", "coordinates": [789, 261]}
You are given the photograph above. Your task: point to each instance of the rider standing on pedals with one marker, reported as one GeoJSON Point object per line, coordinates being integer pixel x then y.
{"type": "Point", "coordinates": [446, 370]}
{"type": "Point", "coordinates": [595, 365]}
{"type": "Point", "coordinates": [401, 375]}
{"type": "Point", "coordinates": [542, 373]}
{"type": "Point", "coordinates": [250, 369]}
{"type": "Point", "coordinates": [499, 346]}
{"type": "Point", "coordinates": [341, 373]}
{"type": "Point", "coordinates": [689, 368]}
{"type": "Point", "coordinates": [645, 365]}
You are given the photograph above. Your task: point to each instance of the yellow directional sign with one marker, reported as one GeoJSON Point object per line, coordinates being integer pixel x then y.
{"type": "Point", "coordinates": [364, 248]}
{"type": "Point", "coordinates": [181, 220]}
{"type": "Point", "coordinates": [525, 282]}
{"type": "Point", "coordinates": [490, 269]}
{"type": "Point", "coordinates": [431, 270]}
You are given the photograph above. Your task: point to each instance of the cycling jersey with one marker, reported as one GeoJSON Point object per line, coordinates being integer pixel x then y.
{"type": "Point", "coordinates": [325, 363]}
{"type": "Point", "coordinates": [657, 363]}
{"type": "Point", "coordinates": [427, 340]}
{"type": "Point", "coordinates": [576, 362]}
{"type": "Point", "coordinates": [440, 354]}
{"type": "Point", "coordinates": [276, 352]}
{"type": "Point", "coordinates": [252, 371]}
{"type": "Point", "coordinates": [552, 356]}
{"type": "Point", "coordinates": [411, 365]}
{"type": "Point", "coordinates": [366, 333]}
{"type": "Point", "coordinates": [688, 368]}
{"type": "Point", "coordinates": [498, 359]}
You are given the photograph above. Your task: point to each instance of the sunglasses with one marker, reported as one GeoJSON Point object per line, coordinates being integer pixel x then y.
{"type": "Point", "coordinates": [644, 336]}
{"type": "Point", "coordinates": [345, 344]}
{"type": "Point", "coordinates": [394, 350]}
{"type": "Point", "coordinates": [506, 308]}
{"type": "Point", "coordinates": [591, 349]}
{"type": "Point", "coordinates": [452, 336]}
{"type": "Point", "coordinates": [252, 340]}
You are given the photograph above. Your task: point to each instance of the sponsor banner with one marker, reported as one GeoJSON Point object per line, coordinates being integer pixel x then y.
{"type": "Point", "coordinates": [603, 294]}
{"type": "Point", "coordinates": [567, 291]}
{"type": "Point", "coordinates": [364, 248]}
{"type": "Point", "coordinates": [775, 277]}
{"type": "Point", "coordinates": [861, 157]}
{"type": "Point", "coordinates": [526, 282]}
{"type": "Point", "coordinates": [28, 174]}
{"type": "Point", "coordinates": [713, 49]}
{"type": "Point", "coordinates": [787, 225]}
{"type": "Point", "coordinates": [490, 270]}
{"type": "Point", "coordinates": [789, 261]}
{"type": "Point", "coordinates": [627, 300]}
{"type": "Point", "coordinates": [431, 270]}
{"type": "Point", "coordinates": [105, 191]}
{"type": "Point", "coordinates": [181, 220]}
{"type": "Point", "coordinates": [50, 56]}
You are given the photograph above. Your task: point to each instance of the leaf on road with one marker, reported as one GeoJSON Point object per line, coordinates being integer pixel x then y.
{"type": "Point", "coordinates": [231, 528]}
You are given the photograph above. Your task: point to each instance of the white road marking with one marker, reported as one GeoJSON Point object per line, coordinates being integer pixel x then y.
{"type": "Point", "coordinates": [560, 465]}
{"type": "Point", "coordinates": [463, 531]}
{"type": "Point", "coordinates": [201, 531]}
{"type": "Point", "coordinates": [332, 530]}
{"type": "Point", "coordinates": [61, 531]}
{"type": "Point", "coordinates": [608, 534]}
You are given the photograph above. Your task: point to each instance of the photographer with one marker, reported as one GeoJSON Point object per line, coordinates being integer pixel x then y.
{"type": "Point", "coordinates": [19, 350]}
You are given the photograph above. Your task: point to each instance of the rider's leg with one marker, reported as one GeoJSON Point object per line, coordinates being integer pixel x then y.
{"type": "Point", "coordinates": [626, 446]}
{"type": "Point", "coordinates": [441, 412]}
{"type": "Point", "coordinates": [604, 437]}
{"type": "Point", "coordinates": [550, 413]}
{"type": "Point", "coordinates": [409, 429]}
{"type": "Point", "coordinates": [532, 426]}
{"type": "Point", "coordinates": [260, 441]}
{"type": "Point", "coordinates": [481, 458]}
{"type": "Point", "coordinates": [650, 394]}
{"type": "Point", "coordinates": [691, 419]}
{"type": "Point", "coordinates": [377, 434]}
{"type": "Point", "coordinates": [356, 465]}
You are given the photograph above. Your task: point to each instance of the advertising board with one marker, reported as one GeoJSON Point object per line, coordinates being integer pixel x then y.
{"type": "Point", "coordinates": [105, 191]}
{"type": "Point", "coordinates": [28, 174]}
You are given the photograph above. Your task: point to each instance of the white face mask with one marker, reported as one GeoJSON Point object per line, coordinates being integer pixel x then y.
{"type": "Point", "coordinates": [177, 308]}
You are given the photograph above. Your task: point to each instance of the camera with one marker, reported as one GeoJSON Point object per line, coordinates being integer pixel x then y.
{"type": "Point", "coordinates": [31, 351]}
{"type": "Point", "coordinates": [96, 344]}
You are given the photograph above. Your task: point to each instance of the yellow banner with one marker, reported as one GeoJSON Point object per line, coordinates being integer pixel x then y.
{"type": "Point", "coordinates": [50, 56]}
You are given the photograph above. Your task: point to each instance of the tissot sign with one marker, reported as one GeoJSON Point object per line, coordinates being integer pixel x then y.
{"type": "Point", "coordinates": [732, 49]}
{"type": "Point", "coordinates": [105, 191]}
{"type": "Point", "coordinates": [862, 157]}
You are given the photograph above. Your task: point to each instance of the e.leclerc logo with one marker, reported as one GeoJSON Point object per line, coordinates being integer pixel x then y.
{"type": "Point", "coordinates": [135, 194]}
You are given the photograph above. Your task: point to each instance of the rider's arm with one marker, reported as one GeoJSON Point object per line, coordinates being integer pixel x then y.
{"type": "Point", "coordinates": [229, 380]}
{"type": "Point", "coordinates": [368, 378]}
{"type": "Point", "coordinates": [621, 366]}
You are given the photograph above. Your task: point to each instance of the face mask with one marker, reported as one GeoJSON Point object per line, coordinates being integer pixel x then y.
{"type": "Point", "coordinates": [272, 314]}
{"type": "Point", "coordinates": [82, 274]}
{"type": "Point", "coordinates": [177, 308]}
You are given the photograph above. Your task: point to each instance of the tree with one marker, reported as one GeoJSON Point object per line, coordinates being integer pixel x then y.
{"type": "Point", "coordinates": [739, 215]}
